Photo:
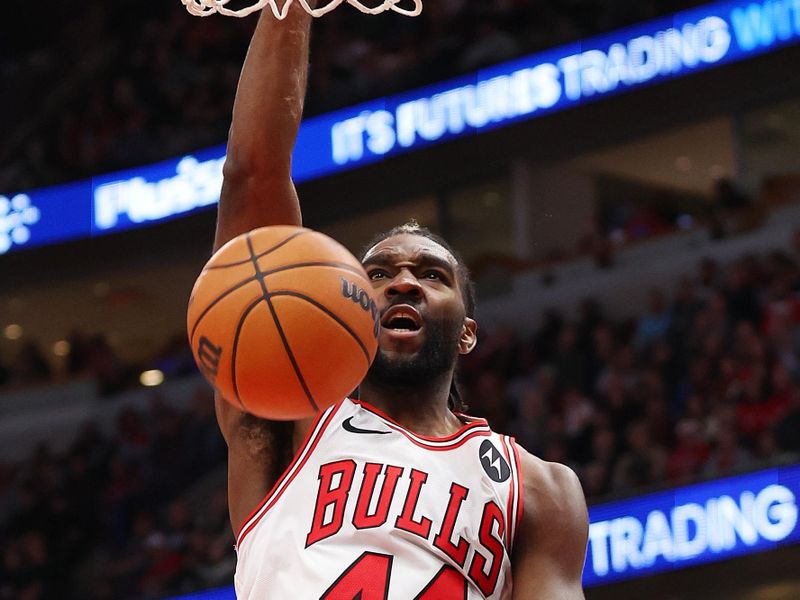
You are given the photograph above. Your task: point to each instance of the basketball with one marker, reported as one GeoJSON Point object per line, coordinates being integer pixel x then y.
{"type": "Point", "coordinates": [282, 322]}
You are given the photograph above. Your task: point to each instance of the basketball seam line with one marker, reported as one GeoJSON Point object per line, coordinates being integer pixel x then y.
{"type": "Point", "coordinates": [226, 293]}
{"type": "Point", "coordinates": [302, 265]}
{"type": "Point", "coordinates": [253, 256]}
{"type": "Point", "coordinates": [328, 312]}
{"type": "Point", "coordinates": [286, 346]}
{"type": "Point", "coordinates": [216, 301]}
{"type": "Point", "coordinates": [242, 319]}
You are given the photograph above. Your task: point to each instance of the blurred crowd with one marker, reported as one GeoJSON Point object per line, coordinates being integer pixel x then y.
{"type": "Point", "coordinates": [90, 356]}
{"type": "Point", "coordinates": [120, 515]}
{"type": "Point", "coordinates": [117, 87]}
{"type": "Point", "coordinates": [704, 384]}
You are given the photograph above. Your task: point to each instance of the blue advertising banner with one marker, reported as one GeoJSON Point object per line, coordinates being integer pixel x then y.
{"type": "Point", "coordinates": [670, 530]}
{"type": "Point", "coordinates": [565, 77]}
{"type": "Point", "coordinates": [692, 525]}
{"type": "Point", "coordinates": [168, 189]}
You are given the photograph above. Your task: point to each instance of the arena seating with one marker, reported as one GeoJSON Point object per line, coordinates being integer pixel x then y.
{"type": "Point", "coordinates": [645, 377]}
{"type": "Point", "coordinates": [133, 91]}
{"type": "Point", "coordinates": [702, 383]}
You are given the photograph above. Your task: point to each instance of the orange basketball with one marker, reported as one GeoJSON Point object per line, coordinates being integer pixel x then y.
{"type": "Point", "coordinates": [282, 322]}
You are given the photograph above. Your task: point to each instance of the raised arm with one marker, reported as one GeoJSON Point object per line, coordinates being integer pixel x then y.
{"type": "Point", "coordinates": [551, 543]}
{"type": "Point", "coordinates": [257, 191]}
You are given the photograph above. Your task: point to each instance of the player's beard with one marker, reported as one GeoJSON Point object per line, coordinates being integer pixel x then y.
{"type": "Point", "coordinates": [436, 357]}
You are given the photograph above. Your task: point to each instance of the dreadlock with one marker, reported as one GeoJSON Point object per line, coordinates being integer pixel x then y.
{"type": "Point", "coordinates": [455, 401]}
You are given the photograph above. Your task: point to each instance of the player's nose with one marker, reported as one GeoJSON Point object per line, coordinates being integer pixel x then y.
{"type": "Point", "coordinates": [404, 284]}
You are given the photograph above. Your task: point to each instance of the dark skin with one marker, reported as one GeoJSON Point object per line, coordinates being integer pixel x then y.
{"type": "Point", "coordinates": [258, 191]}
{"type": "Point", "coordinates": [414, 267]}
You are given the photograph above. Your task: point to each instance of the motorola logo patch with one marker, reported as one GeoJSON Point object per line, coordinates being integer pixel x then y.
{"type": "Point", "coordinates": [493, 463]}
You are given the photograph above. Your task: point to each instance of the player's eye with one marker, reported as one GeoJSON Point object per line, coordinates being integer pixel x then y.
{"type": "Point", "coordinates": [433, 275]}
{"type": "Point", "coordinates": [376, 274]}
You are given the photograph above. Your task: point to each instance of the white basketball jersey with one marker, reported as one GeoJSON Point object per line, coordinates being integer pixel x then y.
{"type": "Point", "coordinates": [369, 510]}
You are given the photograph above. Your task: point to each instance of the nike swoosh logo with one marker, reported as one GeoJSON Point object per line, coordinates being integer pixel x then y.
{"type": "Point", "coordinates": [348, 426]}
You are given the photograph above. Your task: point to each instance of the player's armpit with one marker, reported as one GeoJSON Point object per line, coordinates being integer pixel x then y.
{"type": "Point", "coordinates": [550, 547]}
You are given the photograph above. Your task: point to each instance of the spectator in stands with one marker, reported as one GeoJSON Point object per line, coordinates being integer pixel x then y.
{"type": "Point", "coordinates": [30, 366]}
{"type": "Point", "coordinates": [787, 428]}
{"type": "Point", "coordinates": [656, 323]}
{"type": "Point", "coordinates": [729, 208]}
{"type": "Point", "coordinates": [645, 221]}
{"type": "Point", "coordinates": [111, 374]}
{"type": "Point", "coordinates": [643, 464]}
{"type": "Point", "coordinates": [597, 473]}
{"type": "Point", "coordinates": [568, 358]}
{"type": "Point", "coordinates": [528, 427]}
{"type": "Point", "coordinates": [686, 305]}
{"type": "Point", "coordinates": [659, 422]}
{"type": "Point", "coordinates": [686, 460]}
{"type": "Point", "coordinates": [728, 456]}
{"type": "Point", "coordinates": [740, 292]}
{"type": "Point", "coordinates": [794, 244]}
{"type": "Point", "coordinates": [490, 44]}
{"type": "Point", "coordinates": [577, 413]}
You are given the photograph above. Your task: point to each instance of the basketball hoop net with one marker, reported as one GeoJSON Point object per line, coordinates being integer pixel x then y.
{"type": "Point", "coordinates": [203, 8]}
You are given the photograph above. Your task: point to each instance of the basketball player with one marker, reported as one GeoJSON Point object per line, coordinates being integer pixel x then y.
{"type": "Point", "coordinates": [395, 495]}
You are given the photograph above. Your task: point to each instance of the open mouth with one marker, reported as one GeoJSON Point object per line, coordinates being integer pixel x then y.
{"type": "Point", "coordinates": [402, 318]}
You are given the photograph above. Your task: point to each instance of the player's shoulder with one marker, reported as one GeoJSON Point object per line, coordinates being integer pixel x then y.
{"type": "Point", "coordinates": [551, 541]}
{"type": "Point", "coordinates": [550, 490]}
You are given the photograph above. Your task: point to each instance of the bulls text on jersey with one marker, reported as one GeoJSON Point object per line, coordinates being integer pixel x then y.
{"type": "Point", "coordinates": [372, 510]}
{"type": "Point", "coordinates": [335, 483]}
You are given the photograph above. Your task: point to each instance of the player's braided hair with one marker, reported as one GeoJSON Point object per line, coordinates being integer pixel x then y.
{"type": "Point", "coordinates": [455, 401]}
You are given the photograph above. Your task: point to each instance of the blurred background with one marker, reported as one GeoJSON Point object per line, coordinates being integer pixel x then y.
{"type": "Point", "coordinates": [622, 178]}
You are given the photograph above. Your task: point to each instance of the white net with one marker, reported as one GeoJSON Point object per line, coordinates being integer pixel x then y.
{"type": "Point", "coordinates": [203, 8]}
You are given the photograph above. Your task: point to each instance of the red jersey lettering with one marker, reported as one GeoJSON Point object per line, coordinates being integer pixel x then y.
{"type": "Point", "coordinates": [443, 540]}
{"type": "Point", "coordinates": [362, 520]}
{"type": "Point", "coordinates": [486, 582]}
{"type": "Point", "coordinates": [329, 495]}
{"type": "Point", "coordinates": [406, 520]}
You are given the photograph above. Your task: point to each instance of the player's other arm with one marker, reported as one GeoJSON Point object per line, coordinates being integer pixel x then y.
{"type": "Point", "coordinates": [550, 548]}
{"type": "Point", "coordinates": [257, 191]}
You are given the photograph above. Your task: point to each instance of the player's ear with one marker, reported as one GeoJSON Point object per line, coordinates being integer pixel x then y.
{"type": "Point", "coordinates": [469, 336]}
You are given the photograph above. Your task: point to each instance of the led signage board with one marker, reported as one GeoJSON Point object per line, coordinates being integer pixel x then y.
{"type": "Point", "coordinates": [686, 526]}
{"type": "Point", "coordinates": [557, 79]}
{"type": "Point", "coordinates": [692, 525]}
